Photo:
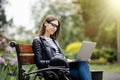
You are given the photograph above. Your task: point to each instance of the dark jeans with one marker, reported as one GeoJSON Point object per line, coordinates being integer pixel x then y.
{"type": "Point", "coordinates": [80, 70]}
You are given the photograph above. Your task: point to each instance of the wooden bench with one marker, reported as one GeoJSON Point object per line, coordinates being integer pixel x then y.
{"type": "Point", "coordinates": [25, 56]}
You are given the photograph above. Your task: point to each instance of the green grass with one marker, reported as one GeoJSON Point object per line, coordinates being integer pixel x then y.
{"type": "Point", "coordinates": [106, 68]}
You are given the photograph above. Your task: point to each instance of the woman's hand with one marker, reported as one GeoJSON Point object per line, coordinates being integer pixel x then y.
{"type": "Point", "coordinates": [69, 60]}
{"type": "Point", "coordinates": [89, 60]}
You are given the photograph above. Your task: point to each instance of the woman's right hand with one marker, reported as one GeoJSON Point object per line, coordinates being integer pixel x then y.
{"type": "Point", "coordinates": [69, 60]}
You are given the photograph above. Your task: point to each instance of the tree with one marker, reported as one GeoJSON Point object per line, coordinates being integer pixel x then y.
{"type": "Point", "coordinates": [3, 27]}
{"type": "Point", "coordinates": [98, 21]}
{"type": "Point", "coordinates": [71, 21]}
{"type": "Point", "coordinates": [2, 14]}
{"type": "Point", "coordinates": [3, 22]}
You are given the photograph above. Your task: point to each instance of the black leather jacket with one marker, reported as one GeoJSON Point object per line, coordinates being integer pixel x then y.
{"type": "Point", "coordinates": [43, 51]}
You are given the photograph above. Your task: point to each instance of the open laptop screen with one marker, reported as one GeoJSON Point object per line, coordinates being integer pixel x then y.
{"type": "Point", "coordinates": [86, 51]}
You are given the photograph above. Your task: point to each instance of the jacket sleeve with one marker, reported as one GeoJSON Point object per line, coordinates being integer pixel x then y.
{"type": "Point", "coordinates": [38, 54]}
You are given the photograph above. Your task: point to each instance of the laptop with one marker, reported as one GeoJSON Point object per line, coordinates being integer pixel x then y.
{"type": "Point", "coordinates": [86, 51]}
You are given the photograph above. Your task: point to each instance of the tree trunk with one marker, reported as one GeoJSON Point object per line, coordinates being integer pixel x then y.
{"type": "Point", "coordinates": [118, 40]}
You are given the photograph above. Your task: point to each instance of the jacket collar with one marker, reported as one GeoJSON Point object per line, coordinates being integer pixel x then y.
{"type": "Point", "coordinates": [55, 41]}
{"type": "Point", "coordinates": [42, 37]}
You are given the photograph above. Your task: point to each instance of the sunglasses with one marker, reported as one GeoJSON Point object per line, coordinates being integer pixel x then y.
{"type": "Point", "coordinates": [54, 25]}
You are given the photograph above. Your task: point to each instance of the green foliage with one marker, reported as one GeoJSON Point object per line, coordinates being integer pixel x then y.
{"type": "Point", "coordinates": [106, 68]}
{"type": "Point", "coordinates": [2, 13]}
{"type": "Point", "coordinates": [70, 55]}
{"type": "Point", "coordinates": [72, 29]}
{"type": "Point", "coordinates": [3, 73]}
{"type": "Point", "coordinates": [102, 60]}
{"type": "Point", "coordinates": [81, 20]}
{"type": "Point", "coordinates": [8, 71]}
{"type": "Point", "coordinates": [104, 55]}
{"type": "Point", "coordinates": [71, 20]}
{"type": "Point", "coordinates": [3, 18]}
{"type": "Point", "coordinates": [8, 61]}
{"type": "Point", "coordinates": [107, 36]}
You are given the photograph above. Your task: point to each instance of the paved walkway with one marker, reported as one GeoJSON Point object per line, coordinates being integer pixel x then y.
{"type": "Point", "coordinates": [111, 76]}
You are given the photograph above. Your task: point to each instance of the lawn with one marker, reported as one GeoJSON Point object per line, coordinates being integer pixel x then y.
{"type": "Point", "coordinates": [106, 68]}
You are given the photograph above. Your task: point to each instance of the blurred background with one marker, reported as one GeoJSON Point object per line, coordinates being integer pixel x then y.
{"type": "Point", "coordinates": [90, 20]}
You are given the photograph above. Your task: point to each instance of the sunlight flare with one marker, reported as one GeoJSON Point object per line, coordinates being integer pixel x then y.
{"type": "Point", "coordinates": [115, 5]}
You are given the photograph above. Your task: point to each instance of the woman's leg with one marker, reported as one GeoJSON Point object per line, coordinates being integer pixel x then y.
{"type": "Point", "coordinates": [84, 71]}
{"type": "Point", "coordinates": [74, 70]}
{"type": "Point", "coordinates": [74, 74]}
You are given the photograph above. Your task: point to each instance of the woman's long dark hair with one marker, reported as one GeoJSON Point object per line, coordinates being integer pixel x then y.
{"type": "Point", "coordinates": [49, 19]}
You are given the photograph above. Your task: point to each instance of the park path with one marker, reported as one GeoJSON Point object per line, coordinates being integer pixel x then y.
{"type": "Point", "coordinates": [111, 76]}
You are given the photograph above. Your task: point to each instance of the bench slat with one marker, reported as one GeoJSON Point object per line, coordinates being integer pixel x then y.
{"type": "Point", "coordinates": [25, 48]}
{"type": "Point", "coordinates": [26, 60]}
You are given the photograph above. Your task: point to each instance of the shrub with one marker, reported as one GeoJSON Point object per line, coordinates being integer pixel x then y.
{"type": "Point", "coordinates": [102, 60]}
{"type": "Point", "coordinates": [112, 55]}
{"type": "Point", "coordinates": [108, 53]}
{"type": "Point", "coordinates": [72, 49]}
{"type": "Point", "coordinates": [97, 54]}
{"type": "Point", "coordinates": [8, 60]}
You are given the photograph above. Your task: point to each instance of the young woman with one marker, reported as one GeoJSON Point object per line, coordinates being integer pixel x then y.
{"type": "Point", "coordinates": [45, 46]}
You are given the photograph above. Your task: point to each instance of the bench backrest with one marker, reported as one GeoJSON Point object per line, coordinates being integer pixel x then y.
{"type": "Point", "coordinates": [25, 56]}
{"type": "Point", "coordinates": [24, 52]}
